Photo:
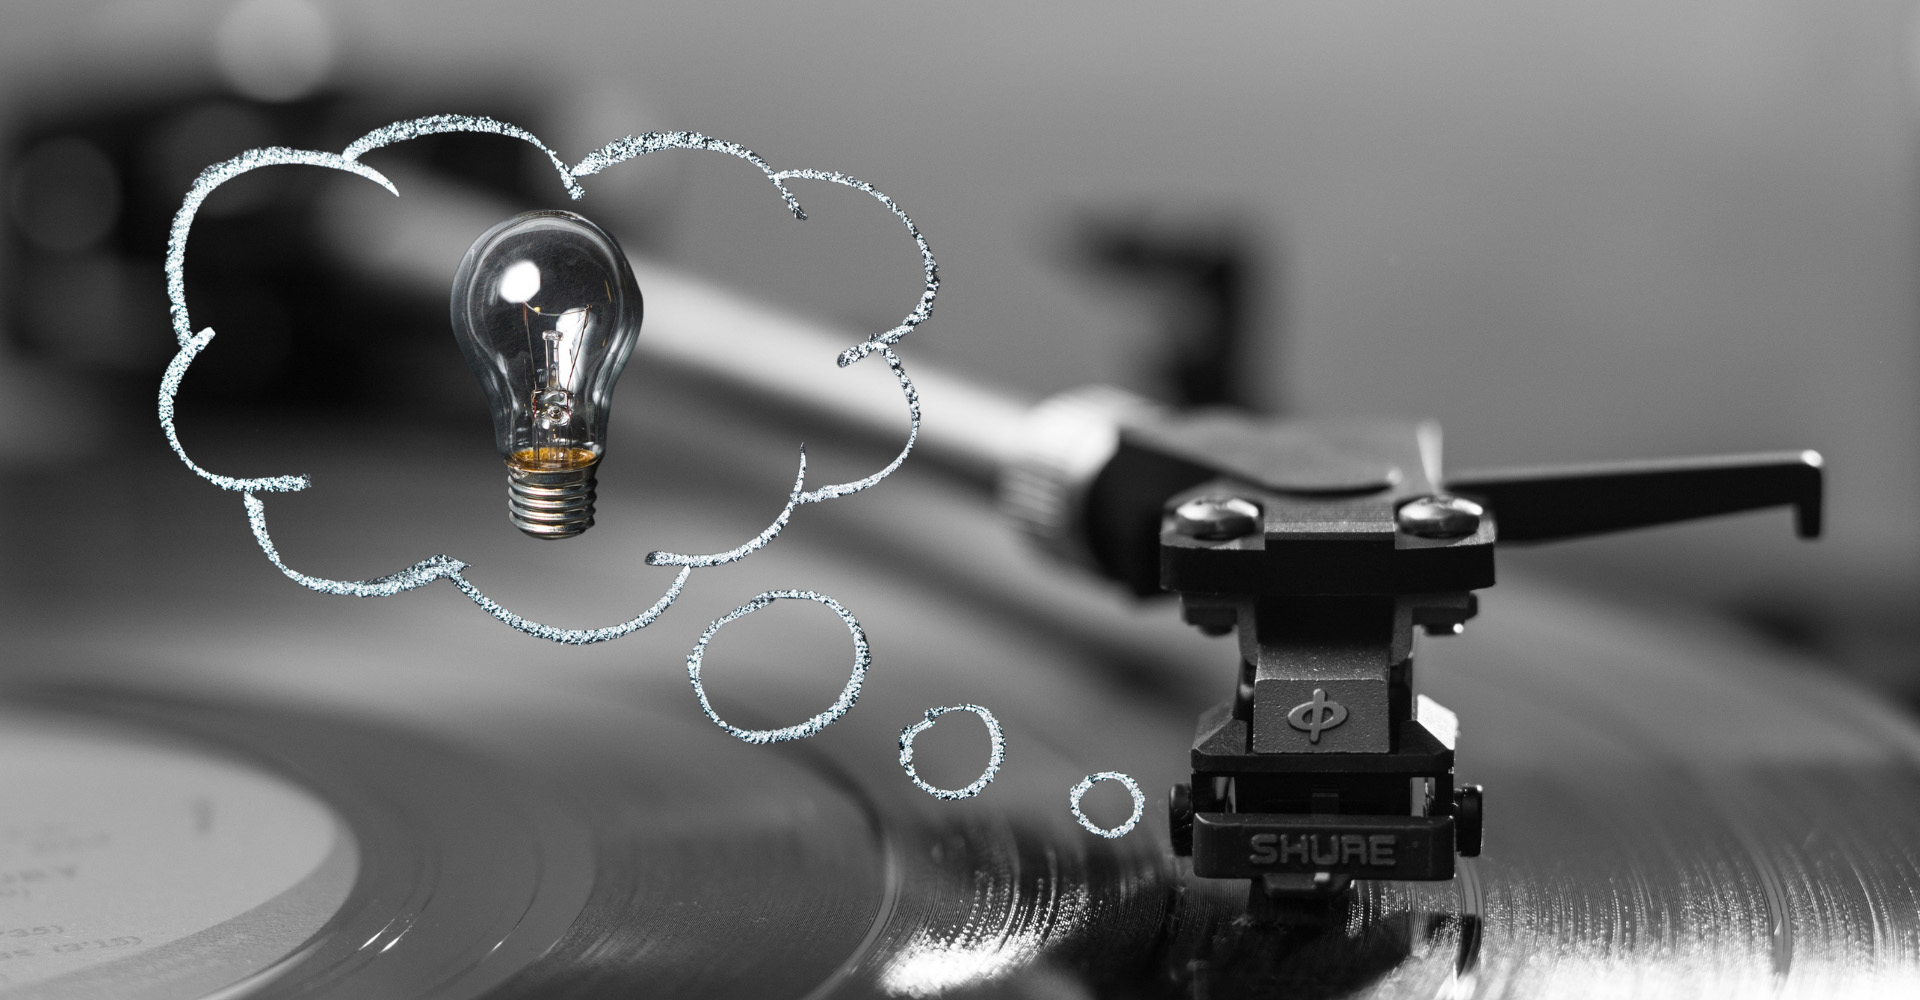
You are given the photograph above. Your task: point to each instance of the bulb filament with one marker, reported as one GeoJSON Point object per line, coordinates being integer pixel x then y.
{"type": "Point", "coordinates": [560, 360]}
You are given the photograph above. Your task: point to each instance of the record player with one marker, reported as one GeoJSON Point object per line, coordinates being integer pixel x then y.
{"type": "Point", "coordinates": [229, 787]}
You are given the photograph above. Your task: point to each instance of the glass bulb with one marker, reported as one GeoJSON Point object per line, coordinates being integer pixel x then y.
{"type": "Point", "coordinates": [546, 310]}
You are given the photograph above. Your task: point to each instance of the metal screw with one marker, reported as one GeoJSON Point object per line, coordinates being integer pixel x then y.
{"type": "Point", "coordinates": [1440, 517]}
{"type": "Point", "coordinates": [1216, 518]}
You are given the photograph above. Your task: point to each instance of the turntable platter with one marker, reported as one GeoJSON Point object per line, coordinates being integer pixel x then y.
{"type": "Point", "coordinates": [1675, 811]}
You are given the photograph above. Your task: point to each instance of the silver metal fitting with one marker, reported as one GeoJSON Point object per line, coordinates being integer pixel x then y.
{"type": "Point", "coordinates": [1066, 440]}
{"type": "Point", "coordinates": [551, 504]}
{"type": "Point", "coordinates": [1217, 518]}
{"type": "Point", "coordinates": [1440, 517]}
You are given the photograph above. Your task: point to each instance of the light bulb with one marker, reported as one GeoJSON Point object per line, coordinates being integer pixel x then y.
{"type": "Point", "coordinates": [546, 310]}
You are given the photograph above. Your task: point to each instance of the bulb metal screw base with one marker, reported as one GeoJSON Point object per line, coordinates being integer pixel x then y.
{"type": "Point", "coordinates": [551, 504]}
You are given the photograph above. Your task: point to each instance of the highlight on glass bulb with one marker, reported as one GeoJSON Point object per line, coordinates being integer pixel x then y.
{"type": "Point", "coordinates": [546, 310]}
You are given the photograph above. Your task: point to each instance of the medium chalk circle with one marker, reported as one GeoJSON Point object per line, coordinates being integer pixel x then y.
{"type": "Point", "coordinates": [996, 754]}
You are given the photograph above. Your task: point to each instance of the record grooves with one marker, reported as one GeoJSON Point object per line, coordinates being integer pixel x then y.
{"type": "Point", "coordinates": [556, 850]}
{"type": "Point", "coordinates": [1714, 819]}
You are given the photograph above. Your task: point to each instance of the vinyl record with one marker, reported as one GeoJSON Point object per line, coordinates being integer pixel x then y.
{"type": "Point", "coordinates": [1690, 837]}
{"type": "Point", "coordinates": [283, 794]}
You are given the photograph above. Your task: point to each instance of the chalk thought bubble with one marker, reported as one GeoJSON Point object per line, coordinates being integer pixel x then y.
{"type": "Point", "coordinates": [445, 567]}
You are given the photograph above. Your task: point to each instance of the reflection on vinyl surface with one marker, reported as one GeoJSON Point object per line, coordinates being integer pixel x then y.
{"type": "Point", "coordinates": [1673, 812]}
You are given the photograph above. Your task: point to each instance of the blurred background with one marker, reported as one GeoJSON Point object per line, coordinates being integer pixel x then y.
{"type": "Point", "coordinates": [1567, 231]}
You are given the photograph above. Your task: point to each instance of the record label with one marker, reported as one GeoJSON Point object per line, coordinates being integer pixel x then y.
{"type": "Point", "coordinates": [132, 867]}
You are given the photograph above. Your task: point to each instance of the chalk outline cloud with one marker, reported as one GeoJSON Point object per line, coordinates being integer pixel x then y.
{"type": "Point", "coordinates": [446, 567]}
